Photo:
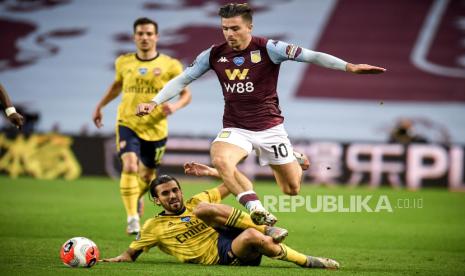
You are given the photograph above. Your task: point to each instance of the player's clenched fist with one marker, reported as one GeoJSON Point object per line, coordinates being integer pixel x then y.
{"type": "Point", "coordinates": [145, 108]}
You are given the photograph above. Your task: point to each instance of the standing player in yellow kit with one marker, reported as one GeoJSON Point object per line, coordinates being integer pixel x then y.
{"type": "Point", "coordinates": [141, 140]}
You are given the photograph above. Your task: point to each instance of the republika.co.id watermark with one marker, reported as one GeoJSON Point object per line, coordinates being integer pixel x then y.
{"type": "Point", "coordinates": [339, 203]}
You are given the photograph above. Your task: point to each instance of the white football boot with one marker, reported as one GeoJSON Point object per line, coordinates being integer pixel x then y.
{"type": "Point", "coordinates": [133, 226]}
{"type": "Point", "coordinates": [319, 262]}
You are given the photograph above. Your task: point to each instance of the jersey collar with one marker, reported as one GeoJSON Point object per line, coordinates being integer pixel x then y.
{"type": "Point", "coordinates": [144, 60]}
{"type": "Point", "coordinates": [175, 214]}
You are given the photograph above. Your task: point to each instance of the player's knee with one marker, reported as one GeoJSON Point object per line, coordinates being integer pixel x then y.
{"type": "Point", "coordinates": [251, 236]}
{"type": "Point", "coordinates": [222, 164]}
{"type": "Point", "coordinates": [292, 188]}
{"type": "Point", "coordinates": [146, 176]}
{"type": "Point", "coordinates": [130, 167]}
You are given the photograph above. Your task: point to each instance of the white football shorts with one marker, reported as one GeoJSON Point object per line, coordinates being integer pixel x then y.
{"type": "Point", "coordinates": [272, 145]}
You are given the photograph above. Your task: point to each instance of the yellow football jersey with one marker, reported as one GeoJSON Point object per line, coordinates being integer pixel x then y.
{"type": "Point", "coordinates": [142, 80]}
{"type": "Point", "coordinates": [183, 235]}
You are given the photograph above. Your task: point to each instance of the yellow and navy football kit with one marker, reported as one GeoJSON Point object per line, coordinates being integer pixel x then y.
{"type": "Point", "coordinates": [188, 238]}
{"type": "Point", "coordinates": [141, 81]}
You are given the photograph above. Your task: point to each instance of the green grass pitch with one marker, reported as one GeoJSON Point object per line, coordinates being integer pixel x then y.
{"type": "Point", "coordinates": [37, 217]}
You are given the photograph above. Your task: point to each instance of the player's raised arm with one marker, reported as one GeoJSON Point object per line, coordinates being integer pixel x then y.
{"type": "Point", "coordinates": [175, 86]}
{"type": "Point", "coordinates": [281, 51]}
{"type": "Point", "coordinates": [198, 169]}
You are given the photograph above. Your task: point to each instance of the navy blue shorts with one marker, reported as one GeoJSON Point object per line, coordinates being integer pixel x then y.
{"type": "Point", "coordinates": [148, 152]}
{"type": "Point", "coordinates": [225, 252]}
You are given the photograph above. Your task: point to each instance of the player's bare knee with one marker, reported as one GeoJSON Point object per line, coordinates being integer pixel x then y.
{"type": "Point", "coordinates": [222, 164]}
{"type": "Point", "coordinates": [291, 189]}
{"type": "Point", "coordinates": [130, 167]}
{"type": "Point", "coordinates": [252, 236]}
{"type": "Point", "coordinates": [147, 177]}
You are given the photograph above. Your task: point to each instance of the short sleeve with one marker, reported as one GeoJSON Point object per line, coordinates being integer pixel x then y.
{"type": "Point", "coordinates": [147, 238]}
{"type": "Point", "coordinates": [118, 70]}
{"type": "Point", "coordinates": [210, 196]}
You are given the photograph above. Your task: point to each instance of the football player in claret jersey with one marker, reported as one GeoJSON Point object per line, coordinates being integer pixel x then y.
{"type": "Point", "coordinates": [202, 231]}
{"type": "Point", "coordinates": [247, 68]}
{"type": "Point", "coordinates": [141, 141]}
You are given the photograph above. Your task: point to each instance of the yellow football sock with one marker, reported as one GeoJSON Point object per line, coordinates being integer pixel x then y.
{"type": "Point", "coordinates": [242, 220]}
{"type": "Point", "coordinates": [143, 186]}
{"type": "Point", "coordinates": [129, 190]}
{"type": "Point", "coordinates": [290, 255]}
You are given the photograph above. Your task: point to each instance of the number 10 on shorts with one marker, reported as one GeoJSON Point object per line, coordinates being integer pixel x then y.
{"type": "Point", "coordinates": [280, 150]}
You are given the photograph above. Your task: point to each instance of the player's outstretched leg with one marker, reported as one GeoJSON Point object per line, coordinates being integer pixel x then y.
{"type": "Point", "coordinates": [225, 157]}
{"type": "Point", "coordinates": [290, 255]}
{"type": "Point", "coordinates": [249, 242]}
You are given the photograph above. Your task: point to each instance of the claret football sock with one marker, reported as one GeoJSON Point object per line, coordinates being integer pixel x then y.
{"type": "Point", "coordinates": [249, 200]}
{"type": "Point", "coordinates": [258, 213]}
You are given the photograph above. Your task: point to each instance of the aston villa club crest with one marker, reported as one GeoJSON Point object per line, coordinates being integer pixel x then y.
{"type": "Point", "coordinates": [142, 70]}
{"type": "Point", "coordinates": [255, 56]}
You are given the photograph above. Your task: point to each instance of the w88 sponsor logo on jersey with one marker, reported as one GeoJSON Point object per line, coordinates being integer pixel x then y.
{"type": "Point", "coordinates": [239, 87]}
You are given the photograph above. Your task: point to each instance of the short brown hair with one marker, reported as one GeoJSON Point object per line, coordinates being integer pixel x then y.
{"type": "Point", "coordinates": [162, 179]}
{"type": "Point", "coordinates": [145, 21]}
{"type": "Point", "coordinates": [234, 9]}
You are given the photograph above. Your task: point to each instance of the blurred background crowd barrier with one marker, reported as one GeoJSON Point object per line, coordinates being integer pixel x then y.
{"type": "Point", "coordinates": [332, 163]}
